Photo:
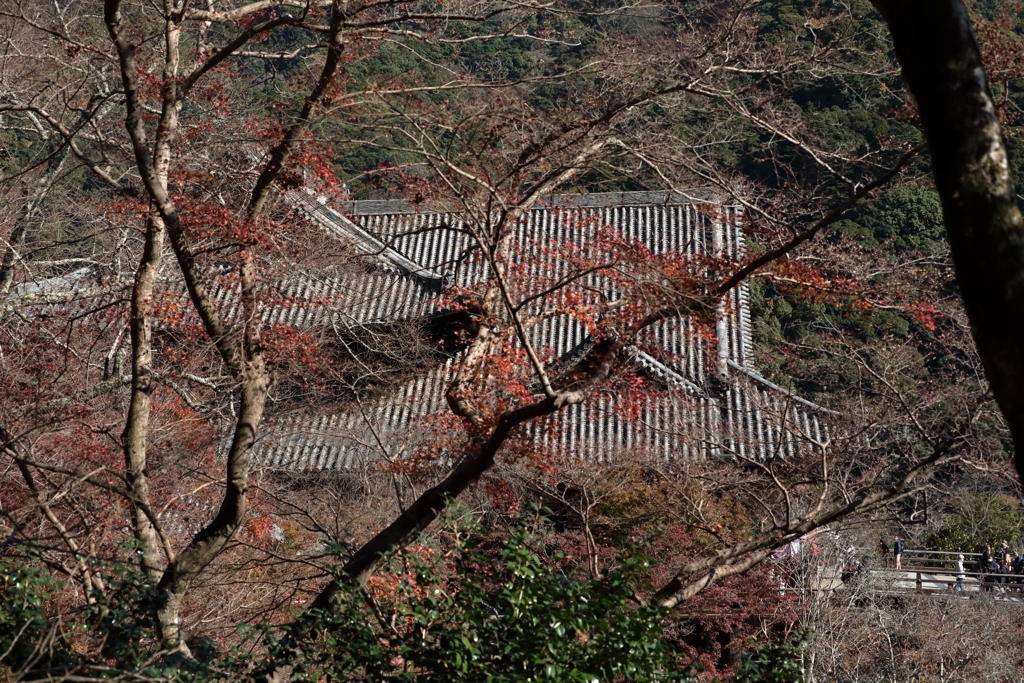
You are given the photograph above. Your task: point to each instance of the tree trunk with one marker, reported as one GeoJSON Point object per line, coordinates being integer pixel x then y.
{"type": "Point", "coordinates": [942, 65]}
{"type": "Point", "coordinates": [134, 439]}
{"type": "Point", "coordinates": [214, 537]}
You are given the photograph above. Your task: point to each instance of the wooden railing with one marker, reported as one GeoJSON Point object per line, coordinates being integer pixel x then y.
{"type": "Point", "coordinates": [931, 567]}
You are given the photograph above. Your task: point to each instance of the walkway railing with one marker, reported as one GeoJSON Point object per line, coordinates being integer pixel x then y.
{"type": "Point", "coordinates": [934, 571]}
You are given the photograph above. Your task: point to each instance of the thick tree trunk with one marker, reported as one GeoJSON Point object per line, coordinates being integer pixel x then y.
{"type": "Point", "coordinates": [135, 438]}
{"type": "Point", "coordinates": [941, 63]}
{"type": "Point", "coordinates": [214, 537]}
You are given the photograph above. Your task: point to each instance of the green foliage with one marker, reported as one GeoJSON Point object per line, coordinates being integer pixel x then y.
{"type": "Point", "coordinates": [978, 520]}
{"type": "Point", "coordinates": [487, 607]}
{"type": "Point", "coordinates": [906, 218]}
{"type": "Point", "coordinates": [951, 538]}
{"type": "Point", "coordinates": [504, 613]}
{"type": "Point", "coordinates": [772, 663]}
{"type": "Point", "coordinates": [24, 624]}
{"type": "Point", "coordinates": [112, 635]}
{"type": "Point", "coordinates": [992, 9]}
{"type": "Point", "coordinates": [496, 608]}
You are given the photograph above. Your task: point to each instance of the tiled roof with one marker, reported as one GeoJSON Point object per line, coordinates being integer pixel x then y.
{"type": "Point", "coordinates": [425, 250]}
{"type": "Point", "coordinates": [750, 418]}
{"type": "Point", "coordinates": [700, 414]}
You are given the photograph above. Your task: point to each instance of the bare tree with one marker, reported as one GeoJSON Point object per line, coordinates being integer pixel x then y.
{"type": "Point", "coordinates": [492, 155]}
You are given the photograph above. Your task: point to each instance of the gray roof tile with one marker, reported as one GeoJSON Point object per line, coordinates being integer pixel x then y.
{"type": "Point", "coordinates": [751, 417]}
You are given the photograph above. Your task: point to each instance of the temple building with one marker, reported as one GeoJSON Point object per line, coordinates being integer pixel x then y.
{"type": "Point", "coordinates": [711, 401]}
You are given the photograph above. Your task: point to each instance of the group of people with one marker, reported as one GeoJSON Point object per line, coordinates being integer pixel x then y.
{"type": "Point", "coordinates": [997, 570]}
{"type": "Point", "coordinates": [999, 567]}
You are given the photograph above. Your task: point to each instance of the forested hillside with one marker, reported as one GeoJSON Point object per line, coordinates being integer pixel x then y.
{"type": "Point", "coordinates": [167, 306]}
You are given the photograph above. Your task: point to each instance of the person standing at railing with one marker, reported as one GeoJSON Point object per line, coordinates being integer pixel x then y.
{"type": "Point", "coordinates": [1005, 570]}
{"type": "Point", "coordinates": [897, 549]}
{"type": "Point", "coordinates": [960, 574]}
{"type": "Point", "coordinates": [1018, 569]}
{"type": "Point", "coordinates": [883, 548]}
{"type": "Point", "coordinates": [992, 577]}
